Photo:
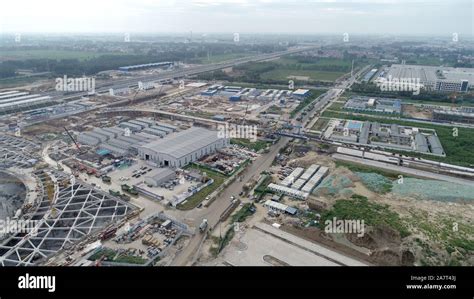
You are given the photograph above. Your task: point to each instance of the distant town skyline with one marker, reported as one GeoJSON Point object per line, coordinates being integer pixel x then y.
{"type": "Point", "coordinates": [396, 17]}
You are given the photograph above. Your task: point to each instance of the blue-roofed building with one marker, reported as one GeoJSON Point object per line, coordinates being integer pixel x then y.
{"type": "Point", "coordinates": [352, 125]}
{"type": "Point", "coordinates": [219, 117]}
{"type": "Point", "coordinates": [301, 93]}
{"type": "Point", "coordinates": [235, 98]}
{"type": "Point", "coordinates": [144, 66]}
{"type": "Point", "coordinates": [209, 92]}
{"type": "Point", "coordinates": [103, 152]}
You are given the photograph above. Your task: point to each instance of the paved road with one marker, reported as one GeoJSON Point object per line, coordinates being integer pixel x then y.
{"type": "Point", "coordinates": [220, 204]}
{"type": "Point", "coordinates": [328, 254]}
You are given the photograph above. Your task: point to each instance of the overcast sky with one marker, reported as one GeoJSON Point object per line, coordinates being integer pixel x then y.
{"type": "Point", "coordinates": [243, 16]}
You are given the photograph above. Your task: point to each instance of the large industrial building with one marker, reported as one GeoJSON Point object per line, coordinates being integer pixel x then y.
{"type": "Point", "coordinates": [463, 115]}
{"type": "Point", "coordinates": [127, 137]}
{"type": "Point", "coordinates": [15, 101]}
{"type": "Point", "coordinates": [182, 148]}
{"type": "Point", "coordinates": [374, 105]}
{"type": "Point", "coordinates": [390, 136]}
{"type": "Point", "coordinates": [446, 79]}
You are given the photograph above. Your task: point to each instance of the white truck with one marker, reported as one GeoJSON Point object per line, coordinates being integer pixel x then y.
{"type": "Point", "coordinates": [203, 225]}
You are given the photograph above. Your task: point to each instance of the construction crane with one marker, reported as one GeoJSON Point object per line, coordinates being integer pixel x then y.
{"type": "Point", "coordinates": [73, 140]}
{"type": "Point", "coordinates": [245, 115]}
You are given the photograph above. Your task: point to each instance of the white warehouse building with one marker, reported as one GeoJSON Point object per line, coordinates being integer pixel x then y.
{"type": "Point", "coordinates": [182, 148]}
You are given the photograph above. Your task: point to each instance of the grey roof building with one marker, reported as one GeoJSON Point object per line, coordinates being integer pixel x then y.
{"type": "Point", "coordinates": [435, 145]}
{"type": "Point", "coordinates": [179, 149]}
{"type": "Point", "coordinates": [421, 143]}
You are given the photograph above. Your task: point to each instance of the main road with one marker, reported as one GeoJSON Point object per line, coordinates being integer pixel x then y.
{"type": "Point", "coordinates": [223, 201]}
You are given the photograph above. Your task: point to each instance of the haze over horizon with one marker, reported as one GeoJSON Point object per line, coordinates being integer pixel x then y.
{"type": "Point", "coordinates": [395, 17]}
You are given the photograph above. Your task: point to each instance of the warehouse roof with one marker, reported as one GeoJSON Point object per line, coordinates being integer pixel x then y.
{"type": "Point", "coordinates": [421, 144]}
{"type": "Point", "coordinates": [301, 92]}
{"type": "Point", "coordinates": [436, 147]}
{"type": "Point", "coordinates": [183, 143]}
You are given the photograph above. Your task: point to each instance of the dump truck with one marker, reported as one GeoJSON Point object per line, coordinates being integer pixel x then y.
{"type": "Point", "coordinates": [129, 189]}
{"type": "Point", "coordinates": [114, 193]}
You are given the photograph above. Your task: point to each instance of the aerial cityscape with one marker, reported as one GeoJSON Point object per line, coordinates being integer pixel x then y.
{"type": "Point", "coordinates": [148, 137]}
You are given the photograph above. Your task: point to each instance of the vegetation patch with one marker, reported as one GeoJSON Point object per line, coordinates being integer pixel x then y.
{"type": "Point", "coordinates": [243, 213]}
{"type": "Point", "coordinates": [373, 214]}
{"type": "Point", "coordinates": [248, 144]}
{"type": "Point", "coordinates": [197, 198]}
{"type": "Point", "coordinates": [314, 94]}
{"type": "Point", "coordinates": [375, 182]}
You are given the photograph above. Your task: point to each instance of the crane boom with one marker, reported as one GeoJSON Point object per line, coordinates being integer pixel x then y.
{"type": "Point", "coordinates": [72, 138]}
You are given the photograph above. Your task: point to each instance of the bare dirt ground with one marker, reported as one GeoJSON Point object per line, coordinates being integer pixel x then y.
{"type": "Point", "coordinates": [412, 111]}
{"type": "Point", "coordinates": [386, 247]}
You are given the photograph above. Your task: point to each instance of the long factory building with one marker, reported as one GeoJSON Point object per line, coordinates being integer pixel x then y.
{"type": "Point", "coordinates": [15, 101]}
{"type": "Point", "coordinates": [155, 141]}
{"type": "Point", "coordinates": [300, 183]}
{"type": "Point", "coordinates": [127, 137]}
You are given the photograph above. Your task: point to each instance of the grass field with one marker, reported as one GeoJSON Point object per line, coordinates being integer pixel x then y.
{"type": "Point", "coordinates": [373, 214]}
{"type": "Point", "coordinates": [458, 148]}
{"type": "Point", "coordinates": [336, 106]}
{"type": "Point", "coordinates": [314, 94]}
{"type": "Point", "coordinates": [256, 146]}
{"type": "Point", "coordinates": [285, 74]}
{"type": "Point", "coordinates": [197, 198]}
{"type": "Point", "coordinates": [223, 57]}
{"type": "Point", "coordinates": [320, 124]}
{"type": "Point", "coordinates": [288, 60]}
{"type": "Point", "coordinates": [50, 54]}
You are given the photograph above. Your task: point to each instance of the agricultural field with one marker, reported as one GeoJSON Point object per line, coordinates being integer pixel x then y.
{"type": "Point", "coordinates": [300, 75]}
{"type": "Point", "coordinates": [50, 54]}
{"type": "Point", "coordinates": [322, 69]}
{"type": "Point", "coordinates": [320, 124]}
{"type": "Point", "coordinates": [222, 57]}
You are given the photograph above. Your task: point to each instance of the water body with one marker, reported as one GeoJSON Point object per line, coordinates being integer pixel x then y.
{"type": "Point", "coordinates": [12, 195]}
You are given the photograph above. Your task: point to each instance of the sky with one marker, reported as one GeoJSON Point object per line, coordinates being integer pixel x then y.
{"type": "Point", "coordinates": [405, 17]}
